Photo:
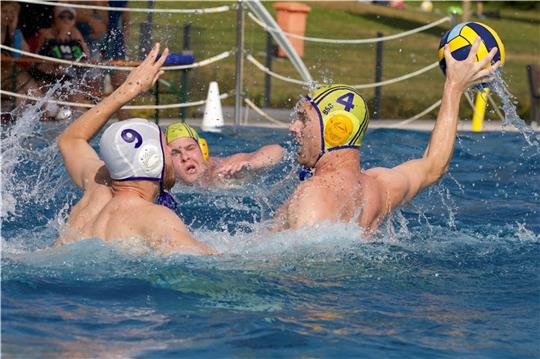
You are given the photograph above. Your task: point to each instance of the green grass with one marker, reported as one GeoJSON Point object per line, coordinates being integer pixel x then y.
{"type": "Point", "coordinates": [352, 64]}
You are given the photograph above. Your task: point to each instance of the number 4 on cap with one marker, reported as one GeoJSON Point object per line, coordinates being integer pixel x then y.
{"type": "Point", "coordinates": [346, 100]}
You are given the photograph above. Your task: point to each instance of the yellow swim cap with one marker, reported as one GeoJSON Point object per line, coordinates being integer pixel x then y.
{"type": "Point", "coordinates": [343, 116]}
{"type": "Point", "coordinates": [183, 130]}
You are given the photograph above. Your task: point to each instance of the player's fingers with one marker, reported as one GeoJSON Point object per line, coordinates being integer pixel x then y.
{"type": "Point", "coordinates": [474, 49]}
{"type": "Point", "coordinates": [448, 54]}
{"type": "Point", "coordinates": [163, 57]}
{"type": "Point", "coordinates": [487, 59]}
{"type": "Point", "coordinates": [151, 57]}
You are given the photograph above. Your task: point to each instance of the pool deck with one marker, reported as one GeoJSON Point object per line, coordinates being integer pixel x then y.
{"type": "Point", "coordinates": [283, 118]}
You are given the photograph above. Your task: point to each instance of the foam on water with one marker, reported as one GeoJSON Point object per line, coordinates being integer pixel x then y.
{"type": "Point", "coordinates": [258, 249]}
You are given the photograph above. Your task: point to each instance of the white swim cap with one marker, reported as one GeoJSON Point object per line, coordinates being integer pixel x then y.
{"type": "Point", "coordinates": [132, 150]}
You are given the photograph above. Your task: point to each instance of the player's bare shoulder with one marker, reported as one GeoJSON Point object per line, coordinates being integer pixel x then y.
{"type": "Point", "coordinates": [171, 235]}
{"type": "Point", "coordinates": [313, 187]}
{"type": "Point", "coordinates": [314, 198]}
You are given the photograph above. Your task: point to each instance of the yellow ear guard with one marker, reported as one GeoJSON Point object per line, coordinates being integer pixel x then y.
{"type": "Point", "coordinates": [183, 130]}
{"type": "Point", "coordinates": [204, 148]}
{"type": "Point", "coordinates": [343, 116]}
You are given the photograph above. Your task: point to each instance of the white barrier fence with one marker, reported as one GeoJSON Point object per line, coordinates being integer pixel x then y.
{"type": "Point", "coordinates": [353, 41]}
{"type": "Point", "coordinates": [202, 63]}
{"type": "Point", "coordinates": [143, 10]}
{"type": "Point", "coordinates": [127, 107]}
{"type": "Point", "coordinates": [361, 86]}
{"type": "Point", "coordinates": [222, 56]}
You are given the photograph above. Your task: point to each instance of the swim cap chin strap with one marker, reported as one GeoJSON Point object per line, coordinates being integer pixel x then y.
{"type": "Point", "coordinates": [343, 119]}
{"type": "Point", "coordinates": [305, 173]}
{"type": "Point", "coordinates": [166, 199]}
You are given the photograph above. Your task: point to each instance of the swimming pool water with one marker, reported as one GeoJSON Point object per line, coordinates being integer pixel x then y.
{"type": "Point", "coordinates": [454, 274]}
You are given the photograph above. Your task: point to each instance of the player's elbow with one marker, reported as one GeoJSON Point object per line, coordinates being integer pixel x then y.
{"type": "Point", "coordinates": [274, 152]}
{"type": "Point", "coordinates": [65, 143]}
{"type": "Point", "coordinates": [437, 162]}
{"type": "Point", "coordinates": [266, 156]}
{"type": "Point", "coordinates": [277, 150]}
{"type": "Point", "coordinates": [61, 141]}
{"type": "Point", "coordinates": [436, 172]}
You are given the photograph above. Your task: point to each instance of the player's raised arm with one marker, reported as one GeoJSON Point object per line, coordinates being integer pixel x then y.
{"type": "Point", "coordinates": [80, 159]}
{"type": "Point", "coordinates": [403, 182]}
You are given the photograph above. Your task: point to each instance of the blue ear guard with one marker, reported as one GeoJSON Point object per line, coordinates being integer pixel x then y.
{"type": "Point", "coordinates": [305, 173]}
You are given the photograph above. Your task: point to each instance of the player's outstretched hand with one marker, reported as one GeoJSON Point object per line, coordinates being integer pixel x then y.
{"type": "Point", "coordinates": [233, 167]}
{"type": "Point", "coordinates": [144, 76]}
{"type": "Point", "coordinates": [467, 72]}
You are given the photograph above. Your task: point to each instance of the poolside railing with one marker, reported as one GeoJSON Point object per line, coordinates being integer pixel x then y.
{"type": "Point", "coordinates": [241, 54]}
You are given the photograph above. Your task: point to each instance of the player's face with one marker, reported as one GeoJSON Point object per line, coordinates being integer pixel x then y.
{"type": "Point", "coordinates": [306, 130]}
{"type": "Point", "coordinates": [187, 160]}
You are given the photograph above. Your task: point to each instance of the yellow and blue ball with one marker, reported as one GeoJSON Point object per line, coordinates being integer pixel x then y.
{"type": "Point", "coordinates": [462, 36]}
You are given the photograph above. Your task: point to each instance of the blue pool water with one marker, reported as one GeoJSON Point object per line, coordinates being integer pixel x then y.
{"type": "Point", "coordinates": [454, 274]}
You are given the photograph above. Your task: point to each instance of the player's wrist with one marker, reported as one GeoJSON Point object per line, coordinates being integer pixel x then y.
{"type": "Point", "coordinates": [453, 87]}
{"type": "Point", "coordinates": [125, 93]}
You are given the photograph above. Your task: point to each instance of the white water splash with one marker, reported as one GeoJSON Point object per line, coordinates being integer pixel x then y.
{"type": "Point", "coordinates": [525, 235]}
{"type": "Point", "coordinates": [511, 116]}
{"type": "Point", "coordinates": [13, 149]}
{"type": "Point", "coordinates": [31, 173]}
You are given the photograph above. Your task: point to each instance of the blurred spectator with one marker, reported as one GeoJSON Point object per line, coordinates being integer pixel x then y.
{"type": "Point", "coordinates": [61, 41]}
{"type": "Point", "coordinates": [92, 23]}
{"type": "Point", "coordinates": [11, 34]}
{"type": "Point", "coordinates": [480, 9]}
{"type": "Point", "coordinates": [116, 44]}
{"type": "Point", "coordinates": [398, 4]}
{"type": "Point", "coordinates": [14, 76]}
{"type": "Point", "coordinates": [32, 19]}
